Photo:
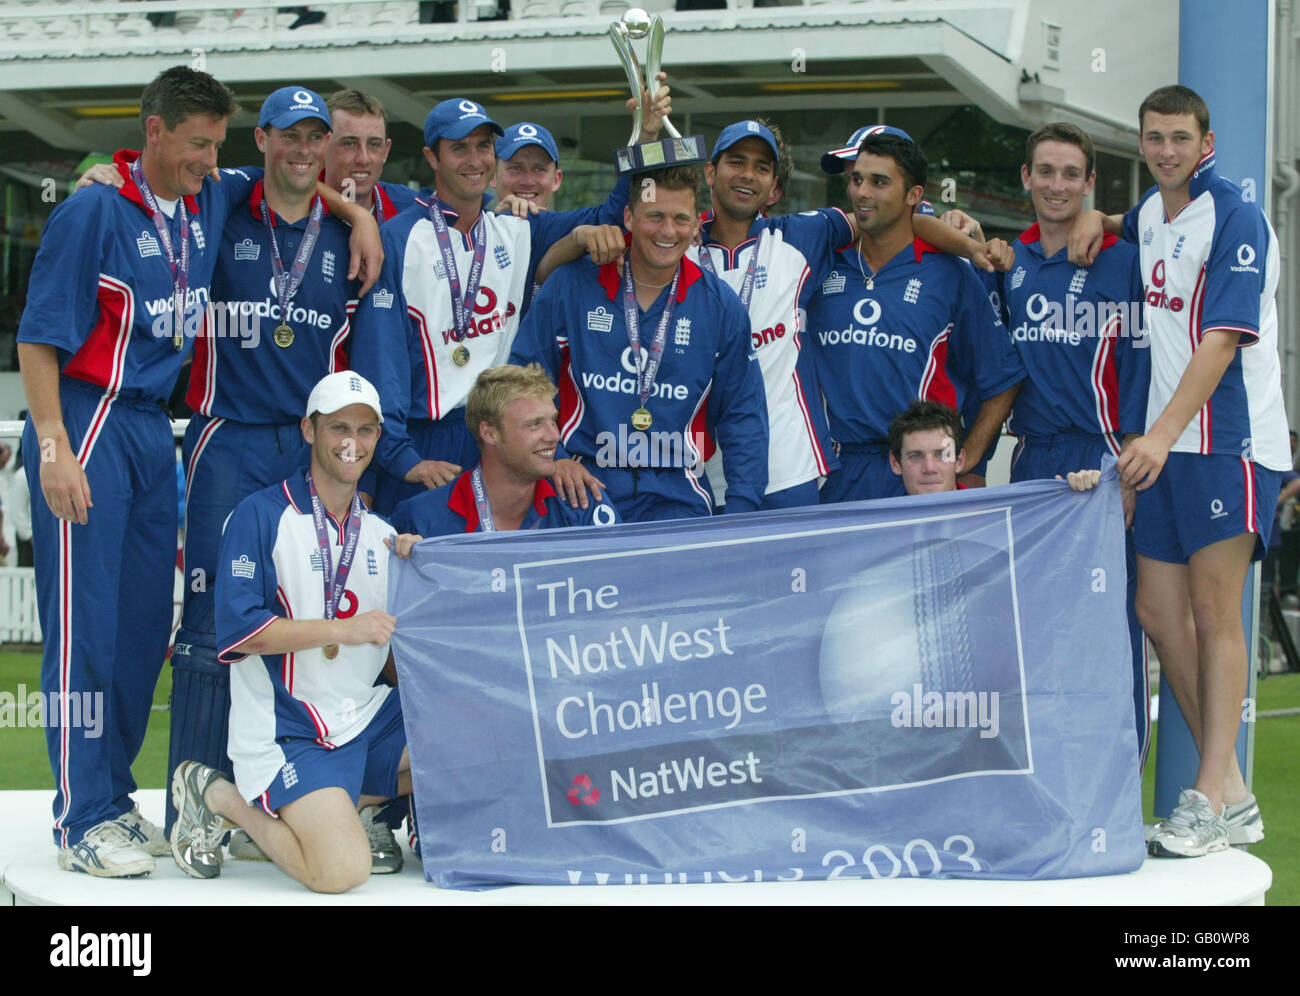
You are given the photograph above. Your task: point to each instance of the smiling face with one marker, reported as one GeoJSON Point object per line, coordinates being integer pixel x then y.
{"type": "Point", "coordinates": [1172, 145]}
{"type": "Point", "coordinates": [744, 179]}
{"type": "Point", "coordinates": [524, 444]}
{"type": "Point", "coordinates": [342, 442]}
{"type": "Point", "coordinates": [879, 195]}
{"type": "Point", "coordinates": [1057, 181]}
{"type": "Point", "coordinates": [463, 167]}
{"type": "Point", "coordinates": [357, 150]}
{"type": "Point", "coordinates": [530, 173]}
{"type": "Point", "coordinates": [179, 159]}
{"type": "Point", "coordinates": [929, 462]}
{"type": "Point", "coordinates": [662, 230]}
{"type": "Point", "coordinates": [294, 156]}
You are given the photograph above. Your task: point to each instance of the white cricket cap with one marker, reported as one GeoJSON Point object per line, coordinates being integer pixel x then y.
{"type": "Point", "coordinates": [336, 391]}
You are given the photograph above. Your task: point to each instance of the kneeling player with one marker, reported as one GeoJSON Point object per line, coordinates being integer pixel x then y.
{"type": "Point", "coordinates": [511, 414]}
{"type": "Point", "coordinates": [312, 735]}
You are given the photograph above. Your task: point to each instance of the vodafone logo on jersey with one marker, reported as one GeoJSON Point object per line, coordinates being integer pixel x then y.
{"type": "Point", "coordinates": [1245, 259]}
{"type": "Point", "coordinates": [867, 312]}
{"type": "Point", "coordinates": [485, 304]}
{"type": "Point", "coordinates": [347, 605]}
{"type": "Point", "coordinates": [1157, 298]}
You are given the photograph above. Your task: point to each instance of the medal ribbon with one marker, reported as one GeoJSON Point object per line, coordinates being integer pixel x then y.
{"type": "Point", "coordinates": [335, 585]}
{"type": "Point", "coordinates": [646, 373]}
{"type": "Point", "coordinates": [180, 268]}
{"type": "Point", "coordinates": [486, 523]}
{"type": "Point", "coordinates": [747, 284]}
{"type": "Point", "coordinates": [287, 286]}
{"type": "Point", "coordinates": [462, 306]}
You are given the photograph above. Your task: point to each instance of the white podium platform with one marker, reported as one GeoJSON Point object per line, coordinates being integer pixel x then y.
{"type": "Point", "coordinates": [31, 877]}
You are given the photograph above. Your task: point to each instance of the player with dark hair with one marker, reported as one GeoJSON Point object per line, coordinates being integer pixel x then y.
{"type": "Point", "coordinates": [357, 151]}
{"type": "Point", "coordinates": [652, 357]}
{"type": "Point", "coordinates": [1079, 333]}
{"type": "Point", "coordinates": [925, 451]}
{"type": "Point", "coordinates": [896, 320]}
{"type": "Point", "coordinates": [97, 368]}
{"type": "Point", "coordinates": [450, 299]}
{"type": "Point", "coordinates": [511, 414]}
{"type": "Point", "coordinates": [301, 623]}
{"type": "Point", "coordinates": [1208, 464]}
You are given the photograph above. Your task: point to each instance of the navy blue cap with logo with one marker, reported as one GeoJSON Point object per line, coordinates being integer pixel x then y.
{"type": "Point", "coordinates": [454, 119]}
{"type": "Point", "coordinates": [290, 104]}
{"type": "Point", "coordinates": [741, 130]}
{"type": "Point", "coordinates": [833, 161]}
{"type": "Point", "coordinates": [527, 133]}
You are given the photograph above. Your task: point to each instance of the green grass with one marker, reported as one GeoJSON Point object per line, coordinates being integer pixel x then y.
{"type": "Point", "coordinates": [1277, 763]}
{"type": "Point", "coordinates": [26, 764]}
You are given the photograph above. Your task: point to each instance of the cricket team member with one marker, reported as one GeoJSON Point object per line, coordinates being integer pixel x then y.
{"type": "Point", "coordinates": [279, 322]}
{"type": "Point", "coordinates": [116, 290]}
{"type": "Point", "coordinates": [656, 344]}
{"type": "Point", "coordinates": [450, 298]}
{"type": "Point", "coordinates": [528, 164]}
{"type": "Point", "coordinates": [301, 622]}
{"type": "Point", "coordinates": [356, 154]}
{"type": "Point", "coordinates": [511, 413]}
{"type": "Point", "coordinates": [925, 451]}
{"type": "Point", "coordinates": [1079, 333]}
{"type": "Point", "coordinates": [1208, 466]}
{"type": "Point", "coordinates": [896, 320]}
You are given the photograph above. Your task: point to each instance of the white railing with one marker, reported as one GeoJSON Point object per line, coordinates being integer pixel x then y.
{"type": "Point", "coordinates": [19, 620]}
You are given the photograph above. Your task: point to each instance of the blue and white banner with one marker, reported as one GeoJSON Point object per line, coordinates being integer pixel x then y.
{"type": "Point", "coordinates": [927, 686]}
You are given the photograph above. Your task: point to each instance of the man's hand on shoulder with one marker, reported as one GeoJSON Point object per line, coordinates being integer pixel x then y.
{"type": "Point", "coordinates": [572, 481]}
{"type": "Point", "coordinates": [432, 473]}
{"type": "Point", "coordinates": [104, 173]}
{"type": "Point", "coordinates": [520, 207]}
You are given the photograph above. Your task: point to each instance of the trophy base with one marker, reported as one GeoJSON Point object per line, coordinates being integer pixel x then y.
{"type": "Point", "coordinates": [684, 151]}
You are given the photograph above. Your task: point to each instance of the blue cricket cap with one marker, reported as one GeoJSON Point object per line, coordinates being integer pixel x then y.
{"type": "Point", "coordinates": [741, 130]}
{"type": "Point", "coordinates": [833, 161]}
{"type": "Point", "coordinates": [454, 119]}
{"type": "Point", "coordinates": [527, 133]}
{"type": "Point", "coordinates": [291, 104]}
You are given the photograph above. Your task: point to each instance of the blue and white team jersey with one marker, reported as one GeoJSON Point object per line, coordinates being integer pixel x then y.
{"type": "Point", "coordinates": [1214, 265]}
{"type": "Point", "coordinates": [101, 286]}
{"type": "Point", "coordinates": [270, 568]}
{"type": "Point", "coordinates": [707, 387]}
{"type": "Point", "coordinates": [451, 510]}
{"type": "Point", "coordinates": [405, 340]}
{"type": "Point", "coordinates": [795, 253]}
{"type": "Point", "coordinates": [1079, 333]}
{"type": "Point", "coordinates": [921, 327]}
{"type": "Point", "coordinates": [241, 372]}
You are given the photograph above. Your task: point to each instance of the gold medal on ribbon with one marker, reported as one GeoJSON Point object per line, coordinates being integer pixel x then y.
{"type": "Point", "coordinates": [331, 650]}
{"type": "Point", "coordinates": [641, 419]}
{"type": "Point", "coordinates": [283, 336]}
{"type": "Point", "coordinates": [460, 356]}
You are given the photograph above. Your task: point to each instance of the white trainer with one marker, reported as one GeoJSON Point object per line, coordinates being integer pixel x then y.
{"type": "Point", "coordinates": [107, 850]}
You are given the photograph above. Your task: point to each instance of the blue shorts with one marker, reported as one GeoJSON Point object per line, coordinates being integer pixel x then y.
{"type": "Point", "coordinates": [1044, 457]}
{"type": "Point", "coordinates": [365, 765]}
{"type": "Point", "coordinates": [864, 473]}
{"type": "Point", "coordinates": [1201, 499]}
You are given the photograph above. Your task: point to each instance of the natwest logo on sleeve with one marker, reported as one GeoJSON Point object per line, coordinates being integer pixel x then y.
{"type": "Point", "coordinates": [1157, 298]}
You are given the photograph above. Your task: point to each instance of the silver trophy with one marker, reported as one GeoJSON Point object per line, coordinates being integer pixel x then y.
{"type": "Point", "coordinates": [672, 151]}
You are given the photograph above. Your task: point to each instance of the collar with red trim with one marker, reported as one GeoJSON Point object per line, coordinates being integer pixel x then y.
{"type": "Point", "coordinates": [122, 159]}
{"type": "Point", "coordinates": [461, 500]}
{"type": "Point", "coordinates": [1032, 234]}
{"type": "Point", "coordinates": [259, 194]}
{"type": "Point", "coordinates": [382, 200]}
{"type": "Point", "coordinates": [612, 281]}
